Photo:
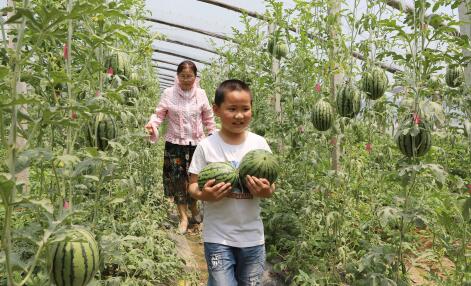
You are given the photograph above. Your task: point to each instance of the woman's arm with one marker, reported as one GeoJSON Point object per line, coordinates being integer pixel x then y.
{"type": "Point", "coordinates": [156, 119]}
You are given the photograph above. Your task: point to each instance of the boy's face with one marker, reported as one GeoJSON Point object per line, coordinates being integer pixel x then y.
{"type": "Point", "coordinates": [235, 111]}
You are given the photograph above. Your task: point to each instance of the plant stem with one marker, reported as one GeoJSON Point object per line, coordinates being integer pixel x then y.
{"type": "Point", "coordinates": [12, 149]}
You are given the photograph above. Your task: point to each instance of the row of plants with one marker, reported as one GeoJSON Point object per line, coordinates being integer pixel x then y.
{"type": "Point", "coordinates": [90, 211]}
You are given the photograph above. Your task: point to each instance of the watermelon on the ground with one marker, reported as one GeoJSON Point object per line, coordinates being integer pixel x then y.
{"type": "Point", "coordinates": [74, 262]}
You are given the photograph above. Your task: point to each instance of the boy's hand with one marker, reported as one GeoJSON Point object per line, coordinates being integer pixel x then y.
{"type": "Point", "coordinates": [215, 192]}
{"type": "Point", "coordinates": [259, 187]}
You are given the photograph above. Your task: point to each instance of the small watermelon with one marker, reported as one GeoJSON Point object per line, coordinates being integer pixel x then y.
{"type": "Point", "coordinates": [101, 130]}
{"type": "Point", "coordinates": [413, 143]}
{"type": "Point", "coordinates": [454, 76]}
{"type": "Point", "coordinates": [277, 48]}
{"type": "Point", "coordinates": [374, 83]}
{"type": "Point", "coordinates": [348, 101]}
{"type": "Point", "coordinates": [322, 115]}
{"type": "Point", "coordinates": [74, 262]}
{"type": "Point", "coordinates": [260, 164]}
{"type": "Point", "coordinates": [220, 171]}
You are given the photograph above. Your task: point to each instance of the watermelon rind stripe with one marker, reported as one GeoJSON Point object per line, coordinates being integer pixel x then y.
{"type": "Point", "coordinates": [85, 264]}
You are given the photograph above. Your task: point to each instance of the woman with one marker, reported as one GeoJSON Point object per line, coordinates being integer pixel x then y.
{"type": "Point", "coordinates": [187, 110]}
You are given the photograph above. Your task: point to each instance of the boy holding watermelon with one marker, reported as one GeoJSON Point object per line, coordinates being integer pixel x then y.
{"type": "Point", "coordinates": [233, 235]}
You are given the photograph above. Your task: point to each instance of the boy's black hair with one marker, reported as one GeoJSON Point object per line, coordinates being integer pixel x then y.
{"type": "Point", "coordinates": [188, 64]}
{"type": "Point", "coordinates": [228, 86]}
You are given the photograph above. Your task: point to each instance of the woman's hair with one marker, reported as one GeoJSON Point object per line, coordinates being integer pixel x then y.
{"type": "Point", "coordinates": [229, 86]}
{"type": "Point", "coordinates": [187, 64]}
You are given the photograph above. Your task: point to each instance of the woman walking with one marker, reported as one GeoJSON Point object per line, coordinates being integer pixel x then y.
{"type": "Point", "coordinates": [187, 110]}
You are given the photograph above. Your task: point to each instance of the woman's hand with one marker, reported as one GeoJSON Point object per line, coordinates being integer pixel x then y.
{"type": "Point", "coordinates": [259, 187]}
{"type": "Point", "coordinates": [153, 132]}
{"type": "Point", "coordinates": [149, 129]}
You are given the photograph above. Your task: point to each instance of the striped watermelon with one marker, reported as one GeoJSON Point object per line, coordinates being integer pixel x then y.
{"type": "Point", "coordinates": [220, 171]}
{"type": "Point", "coordinates": [74, 262]}
{"type": "Point", "coordinates": [130, 94]}
{"type": "Point", "coordinates": [454, 76]}
{"type": "Point", "coordinates": [413, 145]}
{"type": "Point", "coordinates": [120, 63]}
{"type": "Point", "coordinates": [101, 130]}
{"type": "Point", "coordinates": [322, 115]}
{"type": "Point", "coordinates": [348, 100]}
{"type": "Point", "coordinates": [374, 83]}
{"type": "Point", "coordinates": [259, 163]}
{"type": "Point", "coordinates": [278, 50]}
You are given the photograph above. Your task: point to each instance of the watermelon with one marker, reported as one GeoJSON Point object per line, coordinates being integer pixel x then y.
{"type": "Point", "coordinates": [74, 262]}
{"type": "Point", "coordinates": [101, 130]}
{"type": "Point", "coordinates": [322, 115]}
{"type": "Point", "coordinates": [220, 171]}
{"type": "Point", "coordinates": [374, 83]}
{"type": "Point", "coordinates": [260, 164]}
{"type": "Point", "coordinates": [348, 101]}
{"type": "Point", "coordinates": [120, 64]}
{"type": "Point", "coordinates": [454, 76]}
{"type": "Point", "coordinates": [130, 94]}
{"type": "Point", "coordinates": [278, 50]}
{"type": "Point", "coordinates": [412, 143]}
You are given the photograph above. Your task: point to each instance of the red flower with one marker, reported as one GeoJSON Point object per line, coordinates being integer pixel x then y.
{"type": "Point", "coordinates": [469, 188]}
{"type": "Point", "coordinates": [110, 71]}
{"type": "Point", "coordinates": [97, 93]}
{"type": "Point", "coordinates": [178, 161]}
{"type": "Point", "coordinates": [318, 87]}
{"type": "Point", "coordinates": [73, 115]}
{"type": "Point", "coordinates": [66, 205]}
{"type": "Point", "coordinates": [368, 147]}
{"type": "Point", "coordinates": [416, 118]}
{"type": "Point", "coordinates": [66, 51]}
{"type": "Point", "coordinates": [333, 141]}
{"type": "Point", "coordinates": [301, 129]}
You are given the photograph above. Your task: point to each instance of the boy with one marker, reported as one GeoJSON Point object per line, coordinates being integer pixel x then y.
{"type": "Point", "coordinates": [234, 243]}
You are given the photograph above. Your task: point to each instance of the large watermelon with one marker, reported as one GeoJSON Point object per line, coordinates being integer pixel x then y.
{"type": "Point", "coordinates": [220, 171]}
{"type": "Point", "coordinates": [374, 83]}
{"type": "Point", "coordinates": [259, 163]}
{"type": "Point", "coordinates": [454, 76]}
{"type": "Point", "coordinates": [74, 262]}
{"type": "Point", "coordinates": [277, 48]}
{"type": "Point", "coordinates": [322, 115]}
{"type": "Point", "coordinates": [414, 140]}
{"type": "Point", "coordinates": [348, 100]}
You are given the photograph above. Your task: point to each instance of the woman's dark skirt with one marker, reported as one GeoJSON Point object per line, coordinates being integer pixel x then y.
{"type": "Point", "coordinates": [177, 159]}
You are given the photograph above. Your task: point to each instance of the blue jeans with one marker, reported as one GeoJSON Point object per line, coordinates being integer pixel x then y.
{"type": "Point", "coordinates": [234, 266]}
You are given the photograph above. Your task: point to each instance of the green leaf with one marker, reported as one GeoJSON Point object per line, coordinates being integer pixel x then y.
{"type": "Point", "coordinates": [3, 71]}
{"type": "Point", "coordinates": [45, 204]}
{"type": "Point", "coordinates": [6, 184]}
{"type": "Point", "coordinates": [68, 159]}
{"type": "Point", "coordinates": [438, 171]}
{"type": "Point", "coordinates": [117, 201]}
{"type": "Point", "coordinates": [387, 215]}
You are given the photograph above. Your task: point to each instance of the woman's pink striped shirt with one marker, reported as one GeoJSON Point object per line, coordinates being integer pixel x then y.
{"type": "Point", "coordinates": [186, 112]}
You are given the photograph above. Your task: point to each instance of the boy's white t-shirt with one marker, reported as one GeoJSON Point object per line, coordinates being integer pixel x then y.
{"type": "Point", "coordinates": [235, 220]}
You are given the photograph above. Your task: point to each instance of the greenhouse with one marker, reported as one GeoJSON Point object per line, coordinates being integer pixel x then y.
{"type": "Point", "coordinates": [234, 143]}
